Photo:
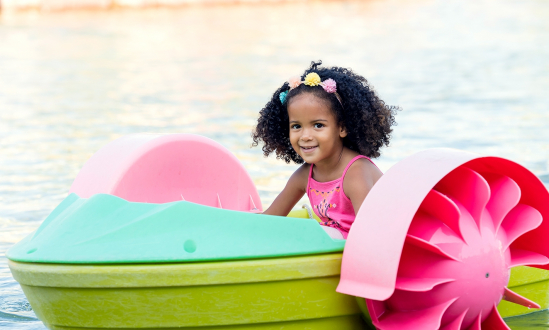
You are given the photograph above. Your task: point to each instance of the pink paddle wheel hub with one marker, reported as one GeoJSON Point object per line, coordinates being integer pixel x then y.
{"type": "Point", "coordinates": [434, 242]}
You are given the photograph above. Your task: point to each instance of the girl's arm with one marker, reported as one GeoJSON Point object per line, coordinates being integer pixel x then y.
{"type": "Point", "coordinates": [292, 193]}
{"type": "Point", "coordinates": [359, 180]}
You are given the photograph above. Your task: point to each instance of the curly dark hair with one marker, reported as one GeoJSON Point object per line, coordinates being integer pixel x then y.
{"type": "Point", "coordinates": [365, 117]}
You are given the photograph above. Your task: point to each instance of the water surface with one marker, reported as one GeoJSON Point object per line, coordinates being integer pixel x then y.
{"type": "Point", "coordinates": [468, 75]}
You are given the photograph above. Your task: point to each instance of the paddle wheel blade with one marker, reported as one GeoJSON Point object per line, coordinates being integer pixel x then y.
{"type": "Point", "coordinates": [425, 319]}
{"type": "Point", "coordinates": [494, 321]}
{"type": "Point", "coordinates": [376, 309]}
{"type": "Point", "coordinates": [477, 325]}
{"type": "Point", "coordinates": [444, 209]}
{"type": "Point", "coordinates": [505, 195]}
{"type": "Point", "coordinates": [419, 284]}
{"type": "Point", "coordinates": [468, 187]}
{"type": "Point", "coordinates": [431, 229]}
{"type": "Point", "coordinates": [520, 220]}
{"type": "Point", "coordinates": [428, 246]}
{"type": "Point", "coordinates": [514, 297]}
{"type": "Point", "coordinates": [456, 323]}
{"type": "Point", "coordinates": [521, 257]}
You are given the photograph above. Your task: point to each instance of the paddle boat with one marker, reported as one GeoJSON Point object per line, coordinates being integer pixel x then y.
{"type": "Point", "coordinates": [163, 232]}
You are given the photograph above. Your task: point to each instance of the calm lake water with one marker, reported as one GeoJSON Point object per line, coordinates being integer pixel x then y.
{"type": "Point", "coordinates": [468, 75]}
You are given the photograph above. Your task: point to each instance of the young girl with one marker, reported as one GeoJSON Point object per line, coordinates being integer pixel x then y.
{"type": "Point", "coordinates": [331, 121]}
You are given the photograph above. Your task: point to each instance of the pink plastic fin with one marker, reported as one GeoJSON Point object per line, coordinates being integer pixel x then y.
{"type": "Point", "coordinates": [505, 195]}
{"type": "Point", "coordinates": [376, 308]}
{"type": "Point", "coordinates": [428, 246]}
{"type": "Point", "coordinates": [518, 299]}
{"type": "Point", "coordinates": [453, 249]}
{"type": "Point", "coordinates": [521, 219]}
{"type": "Point", "coordinates": [444, 209]}
{"type": "Point", "coordinates": [477, 323]}
{"type": "Point", "coordinates": [252, 204]}
{"type": "Point", "coordinates": [219, 202]}
{"type": "Point", "coordinates": [456, 323]}
{"type": "Point", "coordinates": [431, 229]}
{"type": "Point", "coordinates": [182, 198]}
{"type": "Point", "coordinates": [521, 257]}
{"type": "Point", "coordinates": [469, 188]}
{"type": "Point", "coordinates": [425, 319]}
{"type": "Point", "coordinates": [419, 284]}
{"type": "Point", "coordinates": [494, 321]}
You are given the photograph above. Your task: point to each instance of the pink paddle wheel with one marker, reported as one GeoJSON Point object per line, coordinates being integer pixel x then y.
{"type": "Point", "coordinates": [434, 242]}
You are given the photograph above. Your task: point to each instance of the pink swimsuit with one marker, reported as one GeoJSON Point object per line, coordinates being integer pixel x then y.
{"type": "Point", "coordinates": [330, 203]}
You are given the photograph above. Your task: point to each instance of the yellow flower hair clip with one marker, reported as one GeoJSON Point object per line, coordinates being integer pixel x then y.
{"type": "Point", "coordinates": [312, 79]}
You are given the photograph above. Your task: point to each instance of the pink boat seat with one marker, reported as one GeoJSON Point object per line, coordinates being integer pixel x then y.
{"type": "Point", "coordinates": [162, 168]}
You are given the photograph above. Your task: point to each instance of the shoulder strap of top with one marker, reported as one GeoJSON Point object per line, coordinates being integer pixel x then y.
{"type": "Point", "coordinates": [352, 161]}
{"type": "Point", "coordinates": [310, 177]}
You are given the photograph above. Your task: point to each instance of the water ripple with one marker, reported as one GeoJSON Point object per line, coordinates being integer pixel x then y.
{"type": "Point", "coordinates": [469, 75]}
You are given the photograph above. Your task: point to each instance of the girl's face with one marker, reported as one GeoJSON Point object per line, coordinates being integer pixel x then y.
{"type": "Point", "coordinates": [314, 132]}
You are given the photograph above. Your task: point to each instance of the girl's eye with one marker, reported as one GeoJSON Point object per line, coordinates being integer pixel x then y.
{"type": "Point", "coordinates": [295, 126]}
{"type": "Point", "coordinates": [319, 125]}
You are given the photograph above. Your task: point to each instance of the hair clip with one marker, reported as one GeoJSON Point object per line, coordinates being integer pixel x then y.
{"type": "Point", "coordinates": [312, 79]}
{"type": "Point", "coordinates": [282, 96]}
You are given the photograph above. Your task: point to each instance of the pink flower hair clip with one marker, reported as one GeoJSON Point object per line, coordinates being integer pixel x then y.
{"type": "Point", "coordinates": [313, 79]}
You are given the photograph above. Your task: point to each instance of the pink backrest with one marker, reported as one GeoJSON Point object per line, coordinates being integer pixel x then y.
{"type": "Point", "coordinates": [155, 168]}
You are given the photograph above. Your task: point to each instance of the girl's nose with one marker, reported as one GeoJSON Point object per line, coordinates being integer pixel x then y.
{"type": "Point", "coordinates": [306, 136]}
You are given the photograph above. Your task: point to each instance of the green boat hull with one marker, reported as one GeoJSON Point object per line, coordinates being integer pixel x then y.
{"type": "Point", "coordinates": [280, 293]}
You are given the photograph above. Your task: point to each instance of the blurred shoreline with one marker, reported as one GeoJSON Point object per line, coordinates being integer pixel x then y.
{"type": "Point", "coordinates": [62, 5]}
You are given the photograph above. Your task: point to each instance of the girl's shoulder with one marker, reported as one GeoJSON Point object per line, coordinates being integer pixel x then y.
{"type": "Point", "coordinates": [359, 179]}
{"type": "Point", "coordinates": [300, 177]}
{"type": "Point", "coordinates": [362, 170]}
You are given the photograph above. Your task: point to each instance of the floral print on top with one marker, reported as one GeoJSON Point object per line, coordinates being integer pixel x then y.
{"type": "Point", "coordinates": [330, 203]}
{"type": "Point", "coordinates": [321, 209]}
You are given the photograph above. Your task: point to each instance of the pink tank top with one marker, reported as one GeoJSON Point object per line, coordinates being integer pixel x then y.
{"type": "Point", "coordinates": [330, 203]}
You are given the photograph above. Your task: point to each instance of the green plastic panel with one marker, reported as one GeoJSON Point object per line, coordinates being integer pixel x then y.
{"type": "Point", "coordinates": [210, 305]}
{"type": "Point", "coordinates": [108, 229]}
{"type": "Point", "coordinates": [272, 293]}
{"type": "Point", "coordinates": [531, 283]}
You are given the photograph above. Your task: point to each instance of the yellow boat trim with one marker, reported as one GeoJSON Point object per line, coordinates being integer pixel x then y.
{"type": "Point", "coordinates": [182, 274]}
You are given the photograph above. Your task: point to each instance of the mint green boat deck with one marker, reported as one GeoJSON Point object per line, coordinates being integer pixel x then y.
{"type": "Point", "coordinates": [106, 229]}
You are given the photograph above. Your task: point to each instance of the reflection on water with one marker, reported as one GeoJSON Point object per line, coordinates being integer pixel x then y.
{"type": "Point", "coordinates": [471, 76]}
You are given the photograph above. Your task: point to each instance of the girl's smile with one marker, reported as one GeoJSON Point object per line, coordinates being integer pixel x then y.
{"type": "Point", "coordinates": [314, 132]}
{"type": "Point", "coordinates": [308, 149]}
